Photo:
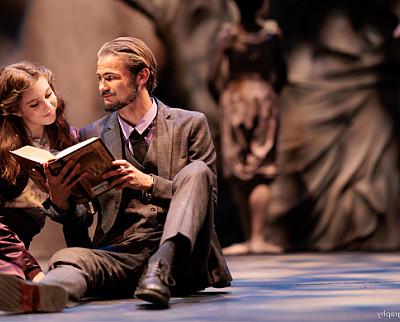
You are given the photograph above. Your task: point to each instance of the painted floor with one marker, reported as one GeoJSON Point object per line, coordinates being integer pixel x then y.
{"type": "Point", "coordinates": [291, 287]}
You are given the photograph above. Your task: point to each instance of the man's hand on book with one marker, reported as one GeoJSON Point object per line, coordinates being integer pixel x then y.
{"type": "Point", "coordinates": [60, 185]}
{"type": "Point", "coordinates": [125, 175]}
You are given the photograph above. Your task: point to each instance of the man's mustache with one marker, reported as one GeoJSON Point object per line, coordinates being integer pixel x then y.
{"type": "Point", "coordinates": [107, 92]}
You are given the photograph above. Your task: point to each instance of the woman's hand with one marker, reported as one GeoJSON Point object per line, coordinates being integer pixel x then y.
{"type": "Point", "coordinates": [60, 186]}
{"type": "Point", "coordinates": [38, 277]}
{"type": "Point", "coordinates": [125, 175]}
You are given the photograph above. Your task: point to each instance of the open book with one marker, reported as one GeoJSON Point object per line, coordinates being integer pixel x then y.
{"type": "Point", "coordinates": [92, 154]}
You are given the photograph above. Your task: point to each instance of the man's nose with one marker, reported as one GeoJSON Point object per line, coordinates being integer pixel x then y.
{"type": "Point", "coordinates": [102, 86]}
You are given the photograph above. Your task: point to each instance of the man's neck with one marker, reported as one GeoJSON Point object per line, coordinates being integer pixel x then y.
{"type": "Point", "coordinates": [135, 111]}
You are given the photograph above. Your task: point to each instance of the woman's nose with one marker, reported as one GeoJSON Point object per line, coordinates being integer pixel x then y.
{"type": "Point", "coordinates": [48, 104]}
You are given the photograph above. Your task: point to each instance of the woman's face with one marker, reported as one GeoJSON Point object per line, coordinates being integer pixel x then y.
{"type": "Point", "coordinates": [38, 107]}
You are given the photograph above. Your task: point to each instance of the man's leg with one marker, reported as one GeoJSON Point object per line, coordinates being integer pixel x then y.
{"type": "Point", "coordinates": [192, 206]}
{"type": "Point", "coordinates": [63, 282]}
{"type": "Point", "coordinates": [72, 273]}
{"type": "Point", "coordinates": [18, 295]}
{"type": "Point", "coordinates": [94, 272]}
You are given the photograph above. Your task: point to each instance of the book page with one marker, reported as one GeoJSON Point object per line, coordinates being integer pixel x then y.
{"type": "Point", "coordinates": [95, 162]}
{"type": "Point", "coordinates": [94, 159]}
{"type": "Point", "coordinates": [34, 154]}
{"type": "Point", "coordinates": [75, 147]}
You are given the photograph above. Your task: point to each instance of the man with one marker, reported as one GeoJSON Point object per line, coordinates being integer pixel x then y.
{"type": "Point", "coordinates": [155, 229]}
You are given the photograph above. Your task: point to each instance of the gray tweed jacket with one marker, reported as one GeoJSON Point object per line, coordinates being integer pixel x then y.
{"type": "Point", "coordinates": [181, 137]}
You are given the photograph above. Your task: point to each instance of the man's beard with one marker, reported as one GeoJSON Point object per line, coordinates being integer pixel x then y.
{"type": "Point", "coordinates": [118, 105]}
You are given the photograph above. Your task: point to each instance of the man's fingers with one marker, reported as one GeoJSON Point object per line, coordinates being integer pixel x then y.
{"type": "Point", "coordinates": [118, 171]}
{"type": "Point", "coordinates": [112, 173]}
{"type": "Point", "coordinates": [119, 181]}
{"type": "Point", "coordinates": [121, 163]}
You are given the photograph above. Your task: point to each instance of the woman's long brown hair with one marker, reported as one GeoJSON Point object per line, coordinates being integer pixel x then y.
{"type": "Point", "coordinates": [14, 80]}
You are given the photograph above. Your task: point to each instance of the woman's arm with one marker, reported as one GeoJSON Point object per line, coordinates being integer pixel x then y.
{"type": "Point", "coordinates": [13, 251]}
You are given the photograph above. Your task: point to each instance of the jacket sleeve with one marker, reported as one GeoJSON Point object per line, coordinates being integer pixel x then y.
{"type": "Point", "coordinates": [9, 191]}
{"type": "Point", "coordinates": [200, 148]}
{"type": "Point", "coordinates": [75, 221]}
{"type": "Point", "coordinates": [13, 251]}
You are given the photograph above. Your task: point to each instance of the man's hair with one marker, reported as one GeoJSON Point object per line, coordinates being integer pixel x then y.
{"type": "Point", "coordinates": [136, 54]}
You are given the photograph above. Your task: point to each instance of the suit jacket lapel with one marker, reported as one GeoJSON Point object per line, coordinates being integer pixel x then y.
{"type": "Point", "coordinates": [164, 135]}
{"type": "Point", "coordinates": [163, 145]}
{"type": "Point", "coordinates": [112, 138]}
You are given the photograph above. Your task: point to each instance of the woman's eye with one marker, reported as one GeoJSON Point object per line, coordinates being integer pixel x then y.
{"type": "Point", "coordinates": [48, 95]}
{"type": "Point", "coordinates": [34, 105]}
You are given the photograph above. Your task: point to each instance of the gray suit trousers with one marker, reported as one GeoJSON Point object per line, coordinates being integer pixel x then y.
{"type": "Point", "coordinates": [94, 272]}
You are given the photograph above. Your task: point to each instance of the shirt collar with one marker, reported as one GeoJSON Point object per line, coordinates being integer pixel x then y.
{"type": "Point", "coordinates": [143, 123]}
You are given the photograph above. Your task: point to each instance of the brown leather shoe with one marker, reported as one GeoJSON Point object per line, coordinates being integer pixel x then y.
{"type": "Point", "coordinates": [155, 282]}
{"type": "Point", "coordinates": [22, 296]}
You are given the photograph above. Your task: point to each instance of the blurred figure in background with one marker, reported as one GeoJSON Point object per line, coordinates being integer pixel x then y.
{"type": "Point", "coordinates": [339, 140]}
{"type": "Point", "coordinates": [247, 71]}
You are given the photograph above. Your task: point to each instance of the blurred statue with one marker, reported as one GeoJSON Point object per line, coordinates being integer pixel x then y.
{"type": "Point", "coordinates": [339, 139]}
{"type": "Point", "coordinates": [247, 70]}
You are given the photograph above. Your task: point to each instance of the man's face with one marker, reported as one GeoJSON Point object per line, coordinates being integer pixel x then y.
{"type": "Point", "coordinates": [115, 82]}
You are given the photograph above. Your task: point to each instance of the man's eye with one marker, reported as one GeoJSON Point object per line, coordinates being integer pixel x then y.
{"type": "Point", "coordinates": [109, 78]}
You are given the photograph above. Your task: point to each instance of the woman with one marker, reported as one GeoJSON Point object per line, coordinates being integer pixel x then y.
{"type": "Point", "coordinates": [248, 71]}
{"type": "Point", "coordinates": [31, 113]}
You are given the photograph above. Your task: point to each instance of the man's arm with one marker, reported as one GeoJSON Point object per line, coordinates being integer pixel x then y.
{"type": "Point", "coordinates": [200, 148]}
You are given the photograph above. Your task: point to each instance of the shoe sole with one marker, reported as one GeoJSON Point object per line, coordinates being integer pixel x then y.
{"type": "Point", "coordinates": [18, 296]}
{"type": "Point", "coordinates": [152, 296]}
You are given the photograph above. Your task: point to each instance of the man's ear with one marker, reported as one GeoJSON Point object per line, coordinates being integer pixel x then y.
{"type": "Point", "coordinates": [143, 76]}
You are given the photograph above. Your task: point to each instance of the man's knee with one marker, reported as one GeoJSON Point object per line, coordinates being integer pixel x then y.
{"type": "Point", "coordinates": [197, 171]}
{"type": "Point", "coordinates": [75, 256]}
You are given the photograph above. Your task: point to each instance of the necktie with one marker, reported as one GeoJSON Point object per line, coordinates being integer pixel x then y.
{"type": "Point", "coordinates": [139, 145]}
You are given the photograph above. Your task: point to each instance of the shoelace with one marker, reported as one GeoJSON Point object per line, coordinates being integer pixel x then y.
{"type": "Point", "coordinates": [163, 271]}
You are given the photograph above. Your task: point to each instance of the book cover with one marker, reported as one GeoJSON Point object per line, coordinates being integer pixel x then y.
{"type": "Point", "coordinates": [92, 154]}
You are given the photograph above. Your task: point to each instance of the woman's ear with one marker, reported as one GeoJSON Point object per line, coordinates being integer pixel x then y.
{"type": "Point", "coordinates": [19, 114]}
